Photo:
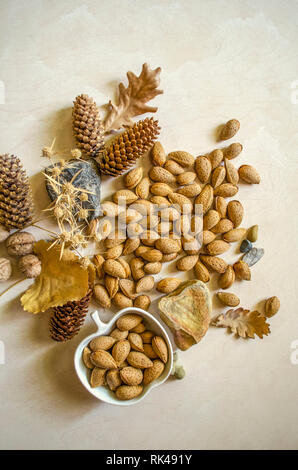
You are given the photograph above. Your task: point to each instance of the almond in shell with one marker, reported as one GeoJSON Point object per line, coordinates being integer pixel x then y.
{"type": "Point", "coordinates": [210, 219]}
{"type": "Point", "coordinates": [112, 285]}
{"type": "Point", "coordinates": [160, 347]}
{"type": "Point", "coordinates": [113, 379]}
{"type": "Point", "coordinates": [231, 172]}
{"type": "Point", "coordinates": [114, 252]}
{"type": "Point", "coordinates": [103, 359]}
{"type": "Point", "coordinates": [98, 377]}
{"type": "Point", "coordinates": [230, 129]}
{"type": "Point", "coordinates": [127, 322]}
{"type": "Point", "coordinates": [218, 176]}
{"type": "Point", "coordinates": [121, 350]}
{"type": "Point", "coordinates": [110, 209]}
{"type": "Point", "coordinates": [234, 235]}
{"type": "Point", "coordinates": [161, 175]}
{"type": "Point", "coordinates": [145, 284]}
{"type": "Point", "coordinates": [131, 245]}
{"type": "Point", "coordinates": [149, 351]}
{"type": "Point", "coordinates": [153, 268]}
{"type": "Point", "coordinates": [186, 263]}
{"type": "Point", "coordinates": [205, 198]}
{"type": "Point", "coordinates": [221, 206]}
{"type": "Point", "coordinates": [101, 295]}
{"type": "Point", "coordinates": [227, 279]}
{"type": "Point", "coordinates": [183, 202]}
{"type": "Point", "coordinates": [217, 247]}
{"type": "Point", "coordinates": [233, 150]}
{"type": "Point", "coordinates": [154, 372]}
{"type": "Point", "coordinates": [187, 177]}
{"type": "Point", "coordinates": [128, 288]}
{"type": "Point", "coordinates": [168, 284]}
{"type": "Point", "coordinates": [223, 226]}
{"type": "Point", "coordinates": [158, 155]}
{"type": "Point", "coordinates": [242, 270]}
{"type": "Point", "coordinates": [128, 392]}
{"type": "Point", "coordinates": [131, 376]}
{"type": "Point", "coordinates": [133, 177]}
{"type": "Point", "coordinates": [214, 263]}
{"type": "Point", "coordinates": [272, 306]}
{"type": "Point", "coordinates": [124, 196]}
{"type": "Point", "coordinates": [207, 237]}
{"type": "Point", "coordinates": [235, 212]}
{"type": "Point", "coordinates": [122, 301]}
{"type": "Point", "coordinates": [114, 268]}
{"type": "Point", "coordinates": [136, 265]}
{"type": "Point", "coordinates": [139, 360]}
{"type": "Point", "coordinates": [102, 342]}
{"type": "Point", "coordinates": [216, 157]}
{"type": "Point", "coordinates": [184, 159]}
{"type": "Point", "coordinates": [142, 301]}
{"type": "Point", "coordinates": [115, 238]}
{"type": "Point", "coordinates": [118, 334]}
{"type": "Point", "coordinates": [140, 328]}
{"type": "Point", "coordinates": [136, 342]}
{"type": "Point", "coordinates": [226, 190]}
{"type": "Point", "coordinates": [190, 190]}
{"type": "Point", "coordinates": [160, 189]}
{"type": "Point", "coordinates": [229, 299]}
{"type": "Point", "coordinates": [86, 358]}
{"type": "Point", "coordinates": [152, 255]}
{"type": "Point", "coordinates": [143, 188]}
{"type": "Point", "coordinates": [167, 245]}
{"type": "Point", "coordinates": [173, 167]}
{"type": "Point", "coordinates": [147, 336]}
{"type": "Point", "coordinates": [249, 174]}
{"type": "Point", "coordinates": [203, 168]}
{"type": "Point", "coordinates": [201, 272]}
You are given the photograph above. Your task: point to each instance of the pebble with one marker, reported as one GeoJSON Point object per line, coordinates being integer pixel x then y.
{"type": "Point", "coordinates": [245, 246]}
{"type": "Point", "coordinates": [253, 256]}
{"type": "Point", "coordinates": [252, 234]}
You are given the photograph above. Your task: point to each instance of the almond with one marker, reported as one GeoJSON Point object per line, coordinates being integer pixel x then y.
{"type": "Point", "coordinates": [124, 196]}
{"type": "Point", "coordinates": [149, 351]}
{"type": "Point", "coordinates": [125, 266]}
{"type": "Point", "coordinates": [230, 129]}
{"type": "Point", "coordinates": [134, 230]}
{"type": "Point", "coordinates": [191, 245]}
{"type": "Point", "coordinates": [140, 328]}
{"type": "Point", "coordinates": [159, 174]}
{"type": "Point", "coordinates": [117, 237]}
{"type": "Point", "coordinates": [167, 245]}
{"type": "Point", "coordinates": [143, 188]}
{"type": "Point", "coordinates": [150, 222]}
{"type": "Point", "coordinates": [160, 347]}
{"type": "Point", "coordinates": [136, 266]}
{"type": "Point", "coordinates": [231, 172]}
{"type": "Point", "coordinates": [149, 238]}
{"type": "Point", "coordinates": [249, 174]}
{"type": "Point", "coordinates": [186, 263]}
{"type": "Point", "coordinates": [173, 167]}
{"type": "Point", "coordinates": [170, 214]}
{"type": "Point", "coordinates": [190, 190]}
{"type": "Point", "coordinates": [210, 219]}
{"type": "Point", "coordinates": [112, 286]}
{"type": "Point", "coordinates": [129, 215]}
{"type": "Point", "coordinates": [242, 270]}
{"type": "Point", "coordinates": [183, 158]}
{"type": "Point", "coordinates": [160, 189]}
{"type": "Point", "coordinates": [139, 360]}
{"type": "Point", "coordinates": [152, 255]}
{"type": "Point", "coordinates": [133, 177]}
{"type": "Point", "coordinates": [98, 261]}
{"type": "Point", "coordinates": [136, 342]}
{"type": "Point", "coordinates": [127, 322]}
{"type": "Point", "coordinates": [218, 176]}
{"type": "Point", "coordinates": [205, 198]}
{"type": "Point", "coordinates": [142, 301]}
{"type": "Point", "coordinates": [164, 227]}
{"type": "Point", "coordinates": [158, 154]}
{"type": "Point", "coordinates": [102, 342]}
{"type": "Point", "coordinates": [233, 150]}
{"type": "Point", "coordinates": [103, 360]}
{"type": "Point", "coordinates": [145, 284]}
{"type": "Point", "coordinates": [226, 190]}
{"type": "Point", "coordinates": [169, 257]}
{"type": "Point", "coordinates": [102, 296]}
{"type": "Point", "coordinates": [97, 377]}
{"type": "Point", "coordinates": [201, 272]}
{"type": "Point", "coordinates": [234, 235]}
{"type": "Point", "coordinates": [141, 250]}
{"type": "Point", "coordinates": [113, 379]}
{"type": "Point", "coordinates": [147, 336]}
{"type": "Point", "coordinates": [114, 268]}
{"type": "Point", "coordinates": [235, 212]}
{"type": "Point", "coordinates": [207, 237]}
{"type": "Point", "coordinates": [131, 375]}
{"type": "Point", "coordinates": [182, 225]}
{"type": "Point", "coordinates": [153, 268]}
{"type": "Point", "coordinates": [215, 157]}
{"type": "Point", "coordinates": [121, 350]}
{"type": "Point", "coordinates": [86, 358]}
{"type": "Point", "coordinates": [118, 334]}
{"type": "Point", "coordinates": [131, 245]}
{"type": "Point", "coordinates": [196, 224]}
{"type": "Point", "coordinates": [104, 229]}
{"type": "Point", "coordinates": [224, 225]}
{"type": "Point", "coordinates": [160, 201]}
{"type": "Point", "coordinates": [115, 252]}
{"type": "Point", "coordinates": [128, 392]}
{"type": "Point", "coordinates": [217, 247]}
{"type": "Point", "coordinates": [143, 206]}
{"type": "Point", "coordinates": [122, 301]}
{"type": "Point", "coordinates": [128, 288]}
{"type": "Point", "coordinates": [229, 299]}
{"type": "Point", "coordinates": [168, 284]}
{"type": "Point", "coordinates": [187, 177]}
{"type": "Point", "coordinates": [203, 168]}
{"type": "Point", "coordinates": [154, 372]}
{"type": "Point", "coordinates": [214, 263]}
{"type": "Point", "coordinates": [110, 209]}
{"type": "Point", "coordinates": [227, 279]}
{"type": "Point", "coordinates": [183, 202]}
{"type": "Point", "coordinates": [221, 206]}
{"type": "Point", "coordinates": [272, 306]}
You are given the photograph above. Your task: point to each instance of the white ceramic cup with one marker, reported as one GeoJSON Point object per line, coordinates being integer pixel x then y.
{"type": "Point", "coordinates": [104, 393]}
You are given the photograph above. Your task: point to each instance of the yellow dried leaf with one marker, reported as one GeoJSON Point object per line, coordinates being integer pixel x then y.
{"type": "Point", "coordinates": [243, 323]}
{"type": "Point", "coordinates": [60, 281]}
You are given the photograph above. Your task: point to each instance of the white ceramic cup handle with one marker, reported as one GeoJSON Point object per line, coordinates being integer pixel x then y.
{"type": "Point", "coordinates": [100, 324]}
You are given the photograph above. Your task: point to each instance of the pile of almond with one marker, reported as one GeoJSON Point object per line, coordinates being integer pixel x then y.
{"type": "Point", "coordinates": [128, 359]}
{"type": "Point", "coordinates": [155, 219]}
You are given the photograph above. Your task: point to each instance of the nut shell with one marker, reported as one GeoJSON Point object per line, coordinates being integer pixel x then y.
{"type": "Point", "coordinates": [20, 243]}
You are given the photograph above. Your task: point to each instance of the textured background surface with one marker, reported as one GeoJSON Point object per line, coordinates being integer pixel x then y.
{"type": "Point", "coordinates": [220, 59]}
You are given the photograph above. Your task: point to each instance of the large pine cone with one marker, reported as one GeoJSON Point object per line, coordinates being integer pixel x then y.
{"type": "Point", "coordinates": [87, 127]}
{"type": "Point", "coordinates": [129, 146]}
{"type": "Point", "coordinates": [67, 320]}
{"type": "Point", "coordinates": [16, 207]}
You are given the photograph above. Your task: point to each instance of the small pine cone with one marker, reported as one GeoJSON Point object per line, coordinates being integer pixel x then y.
{"type": "Point", "coordinates": [87, 127]}
{"type": "Point", "coordinates": [67, 320]}
{"type": "Point", "coordinates": [16, 207]}
{"type": "Point", "coordinates": [129, 146]}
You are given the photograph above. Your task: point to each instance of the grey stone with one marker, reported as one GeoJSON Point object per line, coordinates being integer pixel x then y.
{"type": "Point", "coordinates": [245, 246]}
{"type": "Point", "coordinates": [88, 179]}
{"type": "Point", "coordinates": [253, 256]}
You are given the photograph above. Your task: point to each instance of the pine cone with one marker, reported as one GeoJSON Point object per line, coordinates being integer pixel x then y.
{"type": "Point", "coordinates": [67, 320]}
{"type": "Point", "coordinates": [16, 207]}
{"type": "Point", "coordinates": [87, 127]}
{"type": "Point", "coordinates": [129, 146]}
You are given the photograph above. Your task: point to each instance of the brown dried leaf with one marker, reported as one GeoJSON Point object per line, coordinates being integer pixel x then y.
{"type": "Point", "coordinates": [243, 323]}
{"type": "Point", "coordinates": [60, 281]}
{"type": "Point", "coordinates": [133, 98]}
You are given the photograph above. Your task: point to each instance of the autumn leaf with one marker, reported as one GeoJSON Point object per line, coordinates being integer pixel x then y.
{"type": "Point", "coordinates": [132, 100]}
{"type": "Point", "coordinates": [60, 281]}
{"type": "Point", "coordinates": [243, 323]}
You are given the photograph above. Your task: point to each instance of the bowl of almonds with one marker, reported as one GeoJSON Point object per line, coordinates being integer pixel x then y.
{"type": "Point", "coordinates": [126, 358]}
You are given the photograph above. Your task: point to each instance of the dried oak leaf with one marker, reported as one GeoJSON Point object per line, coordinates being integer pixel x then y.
{"type": "Point", "coordinates": [243, 323]}
{"type": "Point", "coordinates": [133, 99]}
{"type": "Point", "coordinates": [60, 281]}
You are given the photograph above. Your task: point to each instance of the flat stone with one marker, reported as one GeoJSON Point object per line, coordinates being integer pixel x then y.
{"type": "Point", "coordinates": [88, 179]}
{"type": "Point", "coordinates": [245, 246]}
{"type": "Point", "coordinates": [253, 256]}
